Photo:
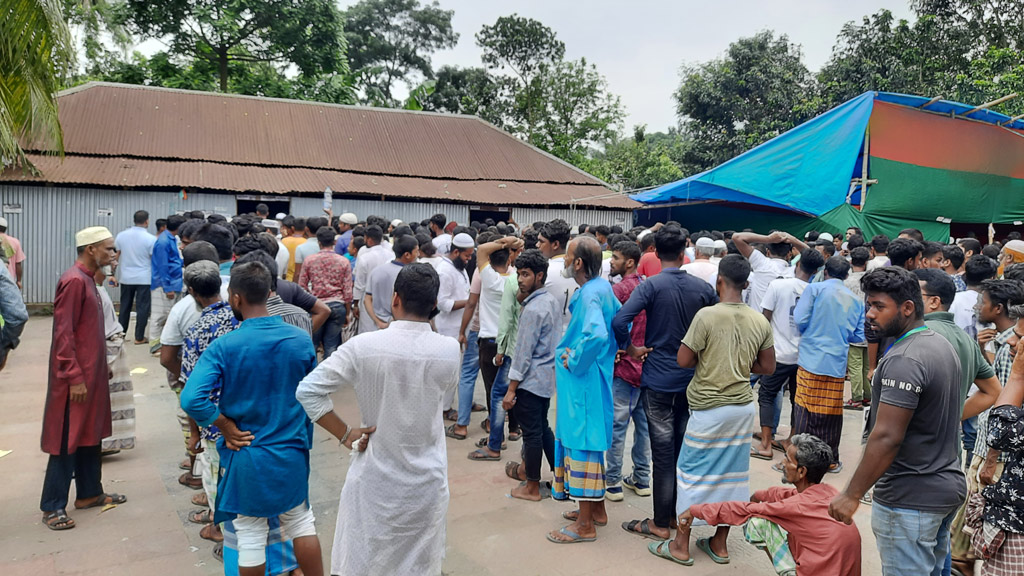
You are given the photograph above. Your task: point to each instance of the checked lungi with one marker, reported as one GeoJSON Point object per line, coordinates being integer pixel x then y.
{"type": "Point", "coordinates": [819, 408]}
{"type": "Point", "coordinates": [579, 474]}
{"type": "Point", "coordinates": [714, 462]}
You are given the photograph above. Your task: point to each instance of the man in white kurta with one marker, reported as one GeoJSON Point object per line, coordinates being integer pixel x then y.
{"type": "Point", "coordinates": [453, 295]}
{"type": "Point", "coordinates": [394, 504]}
{"type": "Point", "coordinates": [375, 253]}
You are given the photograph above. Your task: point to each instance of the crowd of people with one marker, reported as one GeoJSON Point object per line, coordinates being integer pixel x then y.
{"type": "Point", "coordinates": [696, 338]}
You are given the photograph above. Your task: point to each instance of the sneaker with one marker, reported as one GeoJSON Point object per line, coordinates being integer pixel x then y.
{"type": "Point", "coordinates": [640, 489]}
{"type": "Point", "coordinates": [613, 493]}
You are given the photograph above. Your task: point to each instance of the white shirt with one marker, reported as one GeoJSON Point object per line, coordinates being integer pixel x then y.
{"type": "Point", "coordinates": [781, 299]}
{"type": "Point", "coordinates": [963, 312]}
{"type": "Point", "coordinates": [434, 261]}
{"type": "Point", "coordinates": [443, 243]}
{"type": "Point", "coordinates": [454, 287]}
{"type": "Point", "coordinates": [492, 287]}
{"type": "Point", "coordinates": [135, 264]}
{"type": "Point", "coordinates": [763, 270]}
{"type": "Point", "coordinates": [400, 484]}
{"type": "Point", "coordinates": [366, 262]}
{"type": "Point", "coordinates": [703, 269]}
{"type": "Point", "coordinates": [282, 259]}
{"type": "Point", "coordinates": [181, 317]}
{"type": "Point", "coordinates": [561, 288]}
{"type": "Point", "coordinates": [879, 261]}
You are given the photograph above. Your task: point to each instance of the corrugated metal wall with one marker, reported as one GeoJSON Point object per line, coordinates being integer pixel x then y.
{"type": "Point", "coordinates": [389, 209]}
{"type": "Point", "coordinates": [527, 216]}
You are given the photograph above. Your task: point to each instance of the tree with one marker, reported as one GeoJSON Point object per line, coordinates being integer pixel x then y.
{"type": "Point", "coordinates": [758, 90]}
{"type": "Point", "coordinates": [305, 33]}
{"type": "Point", "coordinates": [637, 162]}
{"type": "Point", "coordinates": [36, 54]}
{"type": "Point", "coordinates": [391, 41]}
{"type": "Point", "coordinates": [467, 91]}
{"type": "Point", "coordinates": [577, 110]}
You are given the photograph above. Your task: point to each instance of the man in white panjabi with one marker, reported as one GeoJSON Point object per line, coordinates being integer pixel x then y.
{"type": "Point", "coordinates": [394, 504]}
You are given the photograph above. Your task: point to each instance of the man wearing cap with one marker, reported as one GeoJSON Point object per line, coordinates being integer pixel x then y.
{"type": "Point", "coordinates": [452, 295]}
{"type": "Point", "coordinates": [77, 413]}
{"type": "Point", "coordinates": [702, 267]}
{"type": "Point", "coordinates": [394, 224]}
{"type": "Point", "coordinates": [346, 222]}
{"type": "Point", "coordinates": [11, 253]}
{"type": "Point", "coordinates": [721, 249]}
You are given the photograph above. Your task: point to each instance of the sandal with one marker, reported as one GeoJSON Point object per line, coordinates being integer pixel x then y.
{"type": "Point", "coordinates": [481, 455]}
{"type": "Point", "coordinates": [835, 468]}
{"type": "Point", "coordinates": [660, 549]}
{"type": "Point", "coordinates": [103, 500]}
{"type": "Point", "coordinates": [575, 538]}
{"type": "Point", "coordinates": [58, 520]}
{"type": "Point", "coordinates": [512, 470]}
{"type": "Point", "coordinates": [210, 532]}
{"type": "Point", "coordinates": [515, 436]}
{"type": "Point", "coordinates": [645, 528]}
{"type": "Point", "coordinates": [486, 425]}
{"type": "Point", "coordinates": [451, 415]}
{"type": "Point", "coordinates": [185, 464]}
{"type": "Point", "coordinates": [190, 480]}
{"type": "Point", "coordinates": [573, 515]}
{"type": "Point", "coordinates": [201, 500]}
{"type": "Point", "coordinates": [451, 433]}
{"type": "Point", "coordinates": [705, 545]}
{"type": "Point", "coordinates": [482, 443]}
{"type": "Point", "coordinates": [203, 517]}
{"type": "Point", "coordinates": [479, 407]}
{"type": "Point", "coordinates": [218, 552]}
{"type": "Point", "coordinates": [755, 453]}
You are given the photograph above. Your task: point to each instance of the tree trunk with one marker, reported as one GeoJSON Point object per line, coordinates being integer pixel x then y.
{"type": "Point", "coordinates": [222, 64]}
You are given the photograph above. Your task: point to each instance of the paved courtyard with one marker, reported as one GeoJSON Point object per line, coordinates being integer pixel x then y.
{"type": "Point", "coordinates": [488, 533]}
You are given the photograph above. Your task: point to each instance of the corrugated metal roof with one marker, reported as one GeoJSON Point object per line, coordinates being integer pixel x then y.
{"type": "Point", "coordinates": [145, 122]}
{"type": "Point", "coordinates": [163, 174]}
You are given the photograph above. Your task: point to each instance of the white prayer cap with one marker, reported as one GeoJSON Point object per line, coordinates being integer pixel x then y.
{"type": "Point", "coordinates": [705, 242]}
{"type": "Point", "coordinates": [825, 236]}
{"type": "Point", "coordinates": [280, 216]}
{"type": "Point", "coordinates": [721, 245]}
{"type": "Point", "coordinates": [91, 235]}
{"type": "Point", "coordinates": [644, 233]}
{"type": "Point", "coordinates": [3, 221]}
{"type": "Point", "coordinates": [348, 218]}
{"type": "Point", "coordinates": [271, 224]}
{"type": "Point", "coordinates": [396, 223]}
{"type": "Point", "coordinates": [463, 240]}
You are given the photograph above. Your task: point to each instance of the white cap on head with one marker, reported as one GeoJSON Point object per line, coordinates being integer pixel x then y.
{"type": "Point", "coordinates": [705, 242]}
{"type": "Point", "coordinates": [720, 245]}
{"type": "Point", "coordinates": [825, 236]}
{"type": "Point", "coordinates": [348, 218]}
{"type": "Point", "coordinates": [3, 221]}
{"type": "Point", "coordinates": [280, 216]}
{"type": "Point", "coordinates": [91, 235]}
{"type": "Point", "coordinates": [644, 233]}
{"type": "Point", "coordinates": [271, 224]}
{"type": "Point", "coordinates": [396, 223]}
{"type": "Point", "coordinates": [463, 240]}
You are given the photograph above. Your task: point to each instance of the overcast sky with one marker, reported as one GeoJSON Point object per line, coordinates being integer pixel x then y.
{"type": "Point", "coordinates": [639, 45]}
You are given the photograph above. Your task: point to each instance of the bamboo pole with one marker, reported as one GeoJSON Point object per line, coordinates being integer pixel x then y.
{"type": "Point", "coordinates": [987, 105]}
{"type": "Point", "coordinates": [864, 169]}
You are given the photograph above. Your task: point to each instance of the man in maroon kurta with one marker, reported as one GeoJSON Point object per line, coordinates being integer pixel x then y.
{"type": "Point", "coordinates": [77, 414]}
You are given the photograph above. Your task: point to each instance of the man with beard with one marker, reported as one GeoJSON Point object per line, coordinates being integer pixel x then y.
{"type": "Point", "coordinates": [911, 453]}
{"type": "Point", "coordinates": [452, 296]}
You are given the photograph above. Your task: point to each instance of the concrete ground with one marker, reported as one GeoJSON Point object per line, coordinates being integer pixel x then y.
{"type": "Point", "coordinates": [488, 533]}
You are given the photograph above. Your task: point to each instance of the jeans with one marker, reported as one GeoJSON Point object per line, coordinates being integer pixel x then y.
{"type": "Point", "coordinates": [330, 333]}
{"type": "Point", "coordinates": [667, 414]}
{"type": "Point", "coordinates": [769, 407]}
{"type": "Point", "coordinates": [911, 542]}
{"type": "Point", "coordinates": [498, 391]}
{"type": "Point", "coordinates": [467, 378]}
{"type": "Point", "coordinates": [141, 295]}
{"type": "Point", "coordinates": [857, 371]}
{"type": "Point", "coordinates": [84, 465]}
{"type": "Point", "coordinates": [488, 349]}
{"type": "Point", "coordinates": [532, 413]}
{"type": "Point", "coordinates": [970, 428]}
{"type": "Point", "coordinates": [626, 401]}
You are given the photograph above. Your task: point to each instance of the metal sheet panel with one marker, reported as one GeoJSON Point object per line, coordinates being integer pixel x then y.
{"type": "Point", "coordinates": [527, 216]}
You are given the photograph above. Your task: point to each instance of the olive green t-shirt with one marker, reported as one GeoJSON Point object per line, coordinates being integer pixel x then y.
{"type": "Point", "coordinates": [726, 338]}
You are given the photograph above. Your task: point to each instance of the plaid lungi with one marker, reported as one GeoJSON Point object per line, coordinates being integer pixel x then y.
{"type": "Point", "coordinates": [774, 539]}
{"type": "Point", "coordinates": [819, 408]}
{"type": "Point", "coordinates": [579, 474]}
{"type": "Point", "coordinates": [122, 398]}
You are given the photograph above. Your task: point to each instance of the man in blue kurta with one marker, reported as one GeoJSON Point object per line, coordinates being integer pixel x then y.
{"type": "Point", "coordinates": [584, 394]}
{"type": "Point", "coordinates": [265, 434]}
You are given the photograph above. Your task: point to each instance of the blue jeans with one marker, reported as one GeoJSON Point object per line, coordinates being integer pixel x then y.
{"type": "Point", "coordinates": [330, 332]}
{"type": "Point", "coordinates": [498, 391]}
{"type": "Point", "coordinates": [467, 379]}
{"type": "Point", "coordinates": [911, 542]}
{"type": "Point", "coordinates": [626, 401]}
{"type": "Point", "coordinates": [970, 428]}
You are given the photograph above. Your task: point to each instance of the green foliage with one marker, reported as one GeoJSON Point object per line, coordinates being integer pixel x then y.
{"type": "Point", "coordinates": [639, 162]}
{"type": "Point", "coordinates": [36, 54]}
{"type": "Point", "coordinates": [523, 45]}
{"type": "Point", "coordinates": [576, 110]}
{"type": "Point", "coordinates": [467, 91]}
{"type": "Point", "coordinates": [390, 41]}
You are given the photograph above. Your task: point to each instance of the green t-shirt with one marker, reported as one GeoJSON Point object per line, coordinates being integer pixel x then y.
{"type": "Point", "coordinates": [726, 338]}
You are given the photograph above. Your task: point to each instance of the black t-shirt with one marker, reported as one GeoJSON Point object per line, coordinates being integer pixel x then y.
{"type": "Point", "coordinates": [293, 294]}
{"type": "Point", "coordinates": [922, 373]}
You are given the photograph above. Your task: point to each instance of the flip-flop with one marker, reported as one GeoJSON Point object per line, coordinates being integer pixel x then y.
{"type": "Point", "coordinates": [483, 456]}
{"type": "Point", "coordinates": [218, 552]}
{"type": "Point", "coordinates": [190, 480]}
{"type": "Point", "coordinates": [838, 468]}
{"type": "Point", "coordinates": [545, 493]}
{"type": "Point", "coordinates": [58, 520]}
{"type": "Point", "coordinates": [576, 516]}
{"type": "Point", "coordinates": [451, 415]}
{"type": "Point", "coordinates": [207, 533]}
{"type": "Point", "coordinates": [645, 528]}
{"type": "Point", "coordinates": [776, 445]}
{"type": "Point", "coordinates": [704, 545]}
{"type": "Point", "coordinates": [660, 549]}
{"type": "Point", "coordinates": [778, 466]}
{"type": "Point", "coordinates": [514, 436]}
{"type": "Point", "coordinates": [203, 517]}
{"type": "Point", "coordinates": [201, 500]}
{"type": "Point", "coordinates": [483, 442]}
{"type": "Point", "coordinates": [479, 407]}
{"type": "Point", "coordinates": [755, 454]}
{"type": "Point", "coordinates": [512, 470]}
{"type": "Point", "coordinates": [451, 433]}
{"type": "Point", "coordinates": [576, 538]}
{"type": "Point", "coordinates": [185, 464]}
{"type": "Point", "coordinates": [102, 500]}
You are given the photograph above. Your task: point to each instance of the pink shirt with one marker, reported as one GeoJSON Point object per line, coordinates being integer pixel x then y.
{"type": "Point", "coordinates": [820, 545]}
{"type": "Point", "coordinates": [11, 248]}
{"type": "Point", "coordinates": [627, 368]}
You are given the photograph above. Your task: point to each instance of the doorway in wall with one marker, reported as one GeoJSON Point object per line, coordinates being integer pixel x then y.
{"type": "Point", "coordinates": [276, 204]}
{"type": "Point", "coordinates": [481, 213]}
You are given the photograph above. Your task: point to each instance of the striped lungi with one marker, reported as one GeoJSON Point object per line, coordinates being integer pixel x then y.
{"type": "Point", "coordinates": [714, 462]}
{"type": "Point", "coordinates": [579, 474]}
{"type": "Point", "coordinates": [819, 408]}
{"type": "Point", "coordinates": [122, 398]}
